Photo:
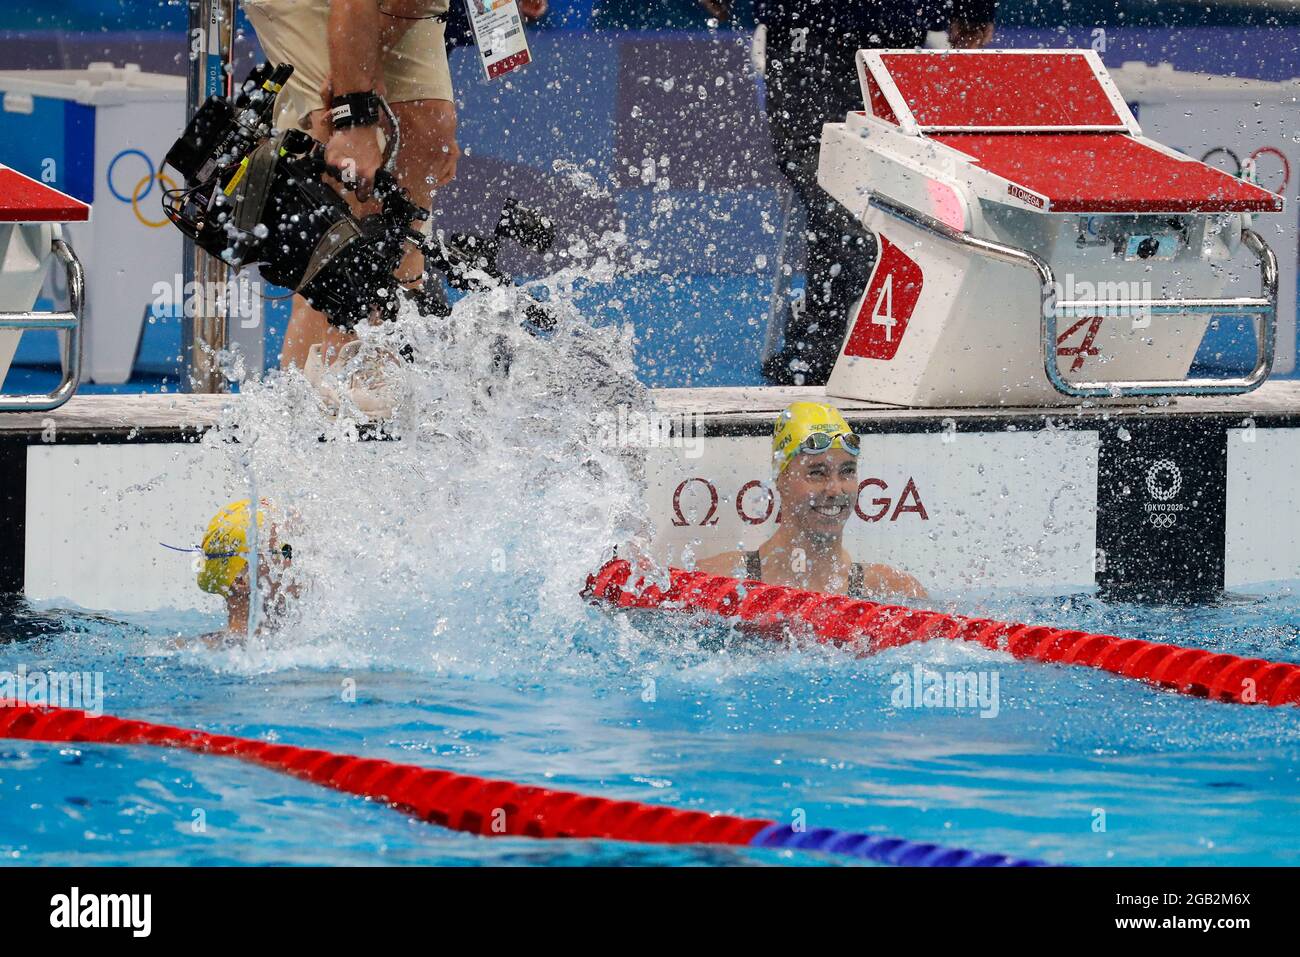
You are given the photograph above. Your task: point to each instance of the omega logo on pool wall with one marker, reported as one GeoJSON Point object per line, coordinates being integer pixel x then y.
{"type": "Point", "coordinates": [757, 508]}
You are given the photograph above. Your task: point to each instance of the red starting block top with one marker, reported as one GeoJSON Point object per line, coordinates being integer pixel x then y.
{"type": "Point", "coordinates": [24, 200]}
{"type": "Point", "coordinates": [1002, 90]}
{"type": "Point", "coordinates": [1109, 173]}
{"type": "Point", "coordinates": [1051, 123]}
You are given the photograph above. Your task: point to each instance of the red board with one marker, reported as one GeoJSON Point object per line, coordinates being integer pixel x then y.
{"type": "Point", "coordinates": [887, 305]}
{"type": "Point", "coordinates": [1108, 173]}
{"type": "Point", "coordinates": [1005, 90]}
{"type": "Point", "coordinates": [24, 200]}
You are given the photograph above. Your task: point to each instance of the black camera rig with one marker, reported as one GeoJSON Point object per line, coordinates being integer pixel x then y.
{"type": "Point", "coordinates": [256, 196]}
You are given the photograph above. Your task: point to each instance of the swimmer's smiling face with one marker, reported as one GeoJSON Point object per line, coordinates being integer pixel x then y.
{"type": "Point", "coordinates": [817, 491]}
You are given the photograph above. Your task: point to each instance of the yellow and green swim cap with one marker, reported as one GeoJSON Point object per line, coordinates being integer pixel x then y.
{"type": "Point", "coordinates": [802, 420]}
{"type": "Point", "coordinates": [225, 546]}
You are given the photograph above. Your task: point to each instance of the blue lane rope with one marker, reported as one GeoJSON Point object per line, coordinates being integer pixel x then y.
{"type": "Point", "coordinates": [883, 850]}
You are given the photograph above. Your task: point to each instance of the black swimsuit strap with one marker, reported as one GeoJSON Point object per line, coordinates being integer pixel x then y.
{"type": "Point", "coordinates": [857, 574]}
{"type": "Point", "coordinates": [857, 580]}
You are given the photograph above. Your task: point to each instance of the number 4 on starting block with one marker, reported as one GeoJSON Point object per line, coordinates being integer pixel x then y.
{"type": "Point", "coordinates": [886, 306]}
{"type": "Point", "coordinates": [882, 314]}
{"type": "Point", "coordinates": [1085, 347]}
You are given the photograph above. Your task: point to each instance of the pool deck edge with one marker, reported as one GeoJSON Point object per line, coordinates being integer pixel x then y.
{"type": "Point", "coordinates": [177, 414]}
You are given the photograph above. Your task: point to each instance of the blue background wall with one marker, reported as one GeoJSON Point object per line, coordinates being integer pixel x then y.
{"type": "Point", "coordinates": [619, 91]}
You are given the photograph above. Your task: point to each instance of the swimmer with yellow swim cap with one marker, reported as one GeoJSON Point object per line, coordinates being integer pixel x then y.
{"type": "Point", "coordinates": [815, 460]}
{"type": "Point", "coordinates": [224, 570]}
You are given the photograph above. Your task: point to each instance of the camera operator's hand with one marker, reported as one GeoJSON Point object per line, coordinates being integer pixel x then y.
{"type": "Point", "coordinates": [356, 152]}
{"type": "Point", "coordinates": [533, 9]}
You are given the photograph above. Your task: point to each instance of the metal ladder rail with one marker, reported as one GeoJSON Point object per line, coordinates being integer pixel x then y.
{"type": "Point", "coordinates": [1263, 308]}
{"type": "Point", "coordinates": [69, 322]}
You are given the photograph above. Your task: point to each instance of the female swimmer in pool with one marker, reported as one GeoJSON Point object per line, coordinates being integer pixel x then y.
{"type": "Point", "coordinates": [815, 457]}
{"type": "Point", "coordinates": [224, 570]}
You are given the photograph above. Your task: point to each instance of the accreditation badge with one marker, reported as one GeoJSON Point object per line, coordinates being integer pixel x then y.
{"type": "Point", "coordinates": [499, 33]}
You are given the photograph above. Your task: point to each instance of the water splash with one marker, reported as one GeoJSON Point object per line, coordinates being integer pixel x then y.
{"type": "Point", "coordinates": [460, 536]}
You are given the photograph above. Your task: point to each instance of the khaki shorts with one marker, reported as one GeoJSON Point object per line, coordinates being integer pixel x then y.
{"type": "Point", "coordinates": [296, 31]}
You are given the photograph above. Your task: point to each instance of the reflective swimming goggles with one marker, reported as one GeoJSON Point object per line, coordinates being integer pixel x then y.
{"type": "Point", "coordinates": [286, 551]}
{"type": "Point", "coordinates": [821, 441]}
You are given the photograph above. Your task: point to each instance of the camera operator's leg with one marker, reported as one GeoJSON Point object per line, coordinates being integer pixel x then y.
{"type": "Point", "coordinates": [426, 161]}
{"type": "Point", "coordinates": [295, 32]}
{"type": "Point", "coordinates": [307, 327]}
{"type": "Point", "coordinates": [418, 80]}
{"type": "Point", "coordinates": [417, 83]}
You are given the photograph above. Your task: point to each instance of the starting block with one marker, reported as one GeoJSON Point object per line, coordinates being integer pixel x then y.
{"type": "Point", "coordinates": [31, 218]}
{"type": "Point", "coordinates": [1033, 247]}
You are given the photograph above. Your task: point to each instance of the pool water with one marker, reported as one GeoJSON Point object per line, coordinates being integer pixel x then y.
{"type": "Point", "coordinates": [648, 711]}
{"type": "Point", "coordinates": [441, 625]}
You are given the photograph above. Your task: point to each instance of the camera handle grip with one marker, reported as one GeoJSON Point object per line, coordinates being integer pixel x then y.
{"type": "Point", "coordinates": [394, 142]}
{"type": "Point", "coordinates": [385, 181]}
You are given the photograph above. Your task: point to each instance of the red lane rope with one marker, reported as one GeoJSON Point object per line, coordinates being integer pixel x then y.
{"type": "Point", "coordinates": [867, 627]}
{"type": "Point", "coordinates": [487, 807]}
{"type": "Point", "coordinates": [478, 805]}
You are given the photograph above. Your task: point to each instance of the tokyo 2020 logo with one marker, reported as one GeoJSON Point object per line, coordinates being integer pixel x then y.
{"type": "Point", "coordinates": [1164, 479]}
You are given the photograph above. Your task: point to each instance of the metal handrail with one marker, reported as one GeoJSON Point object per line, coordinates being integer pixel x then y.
{"type": "Point", "coordinates": [69, 321]}
{"type": "Point", "coordinates": [211, 45]}
{"type": "Point", "coordinates": [1264, 308]}
{"type": "Point", "coordinates": [778, 301]}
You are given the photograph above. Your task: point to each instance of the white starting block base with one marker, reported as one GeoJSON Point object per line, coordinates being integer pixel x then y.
{"type": "Point", "coordinates": [1033, 247]}
{"type": "Point", "coordinates": [24, 259]}
{"type": "Point", "coordinates": [32, 219]}
{"type": "Point", "coordinates": [959, 349]}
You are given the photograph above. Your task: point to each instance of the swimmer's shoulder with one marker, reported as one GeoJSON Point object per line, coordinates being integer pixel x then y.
{"type": "Point", "coordinates": [729, 564]}
{"type": "Point", "coordinates": [882, 581]}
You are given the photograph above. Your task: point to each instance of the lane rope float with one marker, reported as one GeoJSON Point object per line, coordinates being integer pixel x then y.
{"type": "Point", "coordinates": [868, 627]}
{"type": "Point", "coordinates": [491, 808]}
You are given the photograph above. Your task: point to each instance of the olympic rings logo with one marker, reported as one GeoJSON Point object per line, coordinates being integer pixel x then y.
{"type": "Point", "coordinates": [1239, 165]}
{"type": "Point", "coordinates": [1163, 520]}
{"type": "Point", "coordinates": [142, 189]}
